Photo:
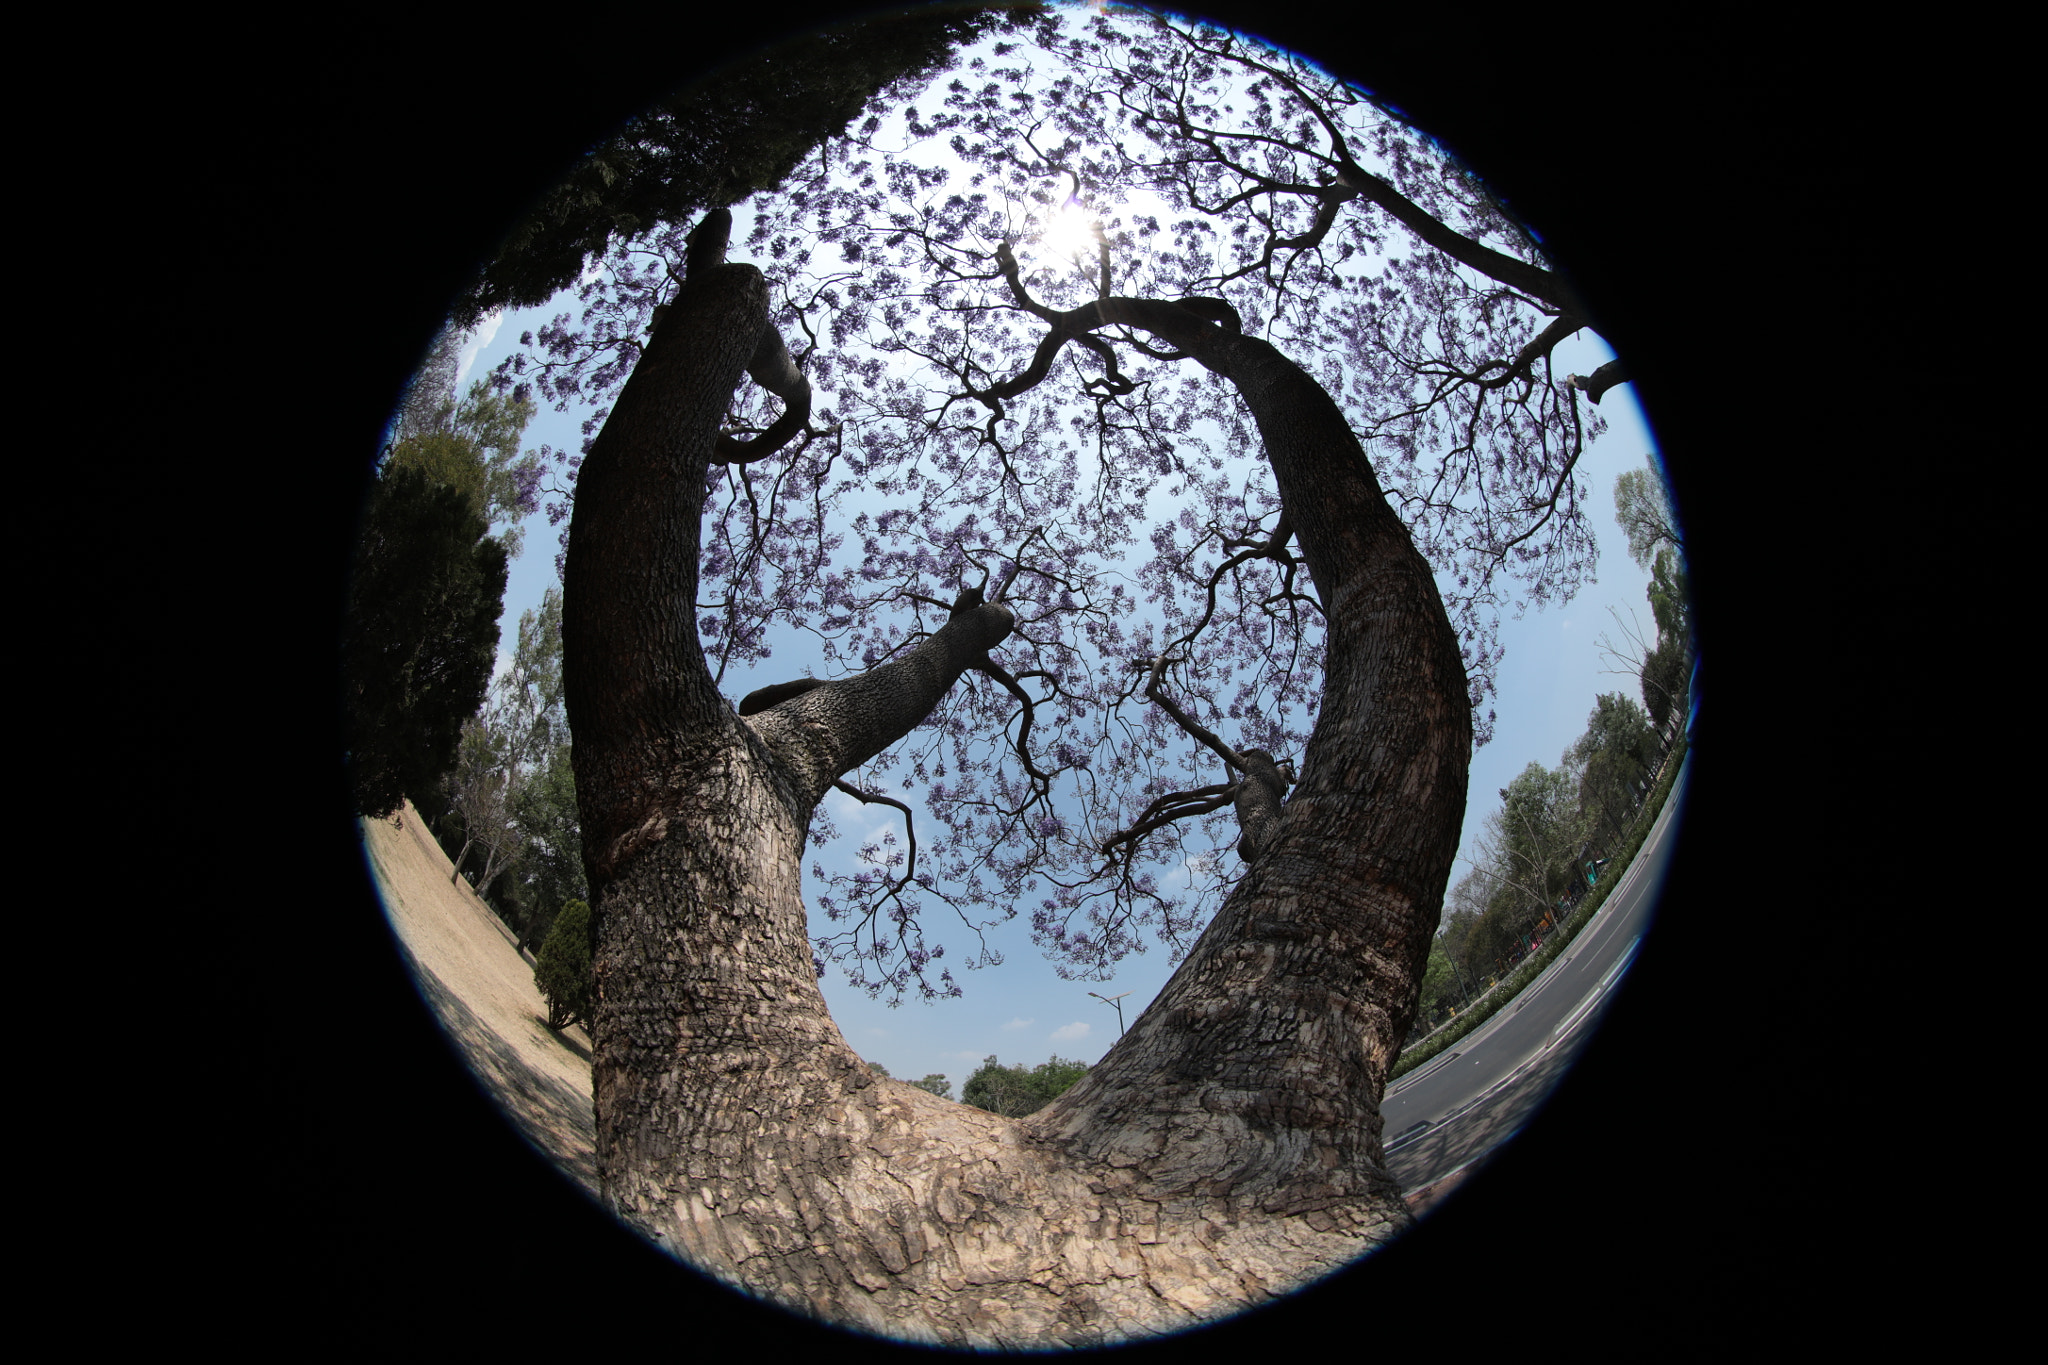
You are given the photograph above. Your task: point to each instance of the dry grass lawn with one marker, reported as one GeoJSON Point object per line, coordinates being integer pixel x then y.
{"type": "Point", "coordinates": [471, 972]}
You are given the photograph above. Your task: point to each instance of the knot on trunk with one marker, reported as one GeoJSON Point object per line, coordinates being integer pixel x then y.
{"type": "Point", "coordinates": [1258, 799]}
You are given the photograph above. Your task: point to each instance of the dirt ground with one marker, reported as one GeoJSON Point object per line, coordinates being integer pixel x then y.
{"type": "Point", "coordinates": [471, 972]}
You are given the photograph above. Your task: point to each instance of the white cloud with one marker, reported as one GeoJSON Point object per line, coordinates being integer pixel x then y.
{"type": "Point", "coordinates": [861, 822]}
{"type": "Point", "coordinates": [473, 347]}
{"type": "Point", "coordinates": [1017, 1024]}
{"type": "Point", "coordinates": [1071, 1033]}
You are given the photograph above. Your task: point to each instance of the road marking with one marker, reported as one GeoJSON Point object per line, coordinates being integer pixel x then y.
{"type": "Point", "coordinates": [1414, 1076]}
{"type": "Point", "coordinates": [1407, 1136]}
{"type": "Point", "coordinates": [1593, 997]}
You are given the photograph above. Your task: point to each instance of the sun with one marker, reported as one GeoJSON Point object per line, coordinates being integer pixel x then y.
{"type": "Point", "coordinates": [1071, 231]}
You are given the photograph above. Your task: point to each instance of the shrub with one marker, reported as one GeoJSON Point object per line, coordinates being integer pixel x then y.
{"type": "Point", "coordinates": [562, 969]}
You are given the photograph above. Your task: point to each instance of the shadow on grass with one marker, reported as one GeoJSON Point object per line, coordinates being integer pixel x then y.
{"type": "Point", "coordinates": [550, 1115]}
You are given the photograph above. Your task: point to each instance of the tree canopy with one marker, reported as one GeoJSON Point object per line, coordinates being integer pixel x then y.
{"type": "Point", "coordinates": [420, 637]}
{"type": "Point", "coordinates": [428, 586]}
{"type": "Point", "coordinates": [936, 433]}
{"type": "Point", "coordinates": [1642, 507]}
{"type": "Point", "coordinates": [716, 141]}
{"type": "Point", "coordinates": [1017, 1090]}
{"type": "Point", "coordinates": [1531, 860]}
{"type": "Point", "coordinates": [471, 445]}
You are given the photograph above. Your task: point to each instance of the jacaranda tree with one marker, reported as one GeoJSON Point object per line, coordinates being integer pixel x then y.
{"type": "Point", "coordinates": [1055, 441]}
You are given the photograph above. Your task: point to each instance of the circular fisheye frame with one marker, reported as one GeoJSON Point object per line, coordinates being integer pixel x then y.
{"type": "Point", "coordinates": [1141, 481]}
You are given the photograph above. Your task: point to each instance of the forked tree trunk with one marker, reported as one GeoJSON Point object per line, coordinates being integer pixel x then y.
{"type": "Point", "coordinates": [1228, 1146]}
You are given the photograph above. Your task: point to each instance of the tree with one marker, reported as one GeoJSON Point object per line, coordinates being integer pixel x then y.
{"type": "Point", "coordinates": [1527, 862]}
{"type": "Point", "coordinates": [1441, 988]}
{"type": "Point", "coordinates": [1617, 757]}
{"type": "Point", "coordinates": [513, 791]}
{"type": "Point", "coordinates": [1666, 674]}
{"type": "Point", "coordinates": [549, 867]}
{"type": "Point", "coordinates": [1642, 507]}
{"type": "Point", "coordinates": [1063, 726]}
{"type": "Point", "coordinates": [935, 1083]}
{"type": "Point", "coordinates": [472, 446]}
{"type": "Point", "coordinates": [1416, 299]}
{"type": "Point", "coordinates": [420, 636]}
{"type": "Point", "coordinates": [1014, 1091]}
{"type": "Point", "coordinates": [562, 968]}
{"type": "Point", "coordinates": [1252, 1082]}
{"type": "Point", "coordinates": [429, 585]}
{"type": "Point", "coordinates": [480, 792]}
{"type": "Point", "coordinates": [1670, 597]}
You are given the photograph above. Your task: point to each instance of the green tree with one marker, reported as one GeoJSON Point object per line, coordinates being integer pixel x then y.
{"type": "Point", "coordinates": [1469, 898]}
{"type": "Point", "coordinates": [480, 790]}
{"type": "Point", "coordinates": [935, 1082]}
{"type": "Point", "coordinates": [513, 792]}
{"type": "Point", "coordinates": [1642, 507]}
{"type": "Point", "coordinates": [562, 969]}
{"type": "Point", "coordinates": [1616, 758]}
{"type": "Point", "coordinates": [1440, 985]}
{"type": "Point", "coordinates": [716, 141]}
{"type": "Point", "coordinates": [419, 638]}
{"type": "Point", "coordinates": [1666, 678]}
{"type": "Point", "coordinates": [549, 865]}
{"type": "Point", "coordinates": [526, 712]}
{"type": "Point", "coordinates": [472, 445]}
{"type": "Point", "coordinates": [1527, 853]}
{"type": "Point", "coordinates": [1670, 595]}
{"type": "Point", "coordinates": [1013, 1091]}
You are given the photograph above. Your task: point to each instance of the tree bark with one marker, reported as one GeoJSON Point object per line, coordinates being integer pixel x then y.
{"type": "Point", "coordinates": [1225, 1150]}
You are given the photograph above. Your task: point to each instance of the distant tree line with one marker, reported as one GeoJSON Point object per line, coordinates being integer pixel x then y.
{"type": "Point", "coordinates": [1548, 842]}
{"type": "Point", "coordinates": [1541, 850]}
{"type": "Point", "coordinates": [1014, 1091]}
{"type": "Point", "coordinates": [486, 764]}
{"type": "Point", "coordinates": [1642, 507]}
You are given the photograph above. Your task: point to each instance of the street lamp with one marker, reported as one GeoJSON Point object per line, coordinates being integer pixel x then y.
{"type": "Point", "coordinates": [1112, 1000]}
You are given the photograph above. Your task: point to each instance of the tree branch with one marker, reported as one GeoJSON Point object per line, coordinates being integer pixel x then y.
{"type": "Point", "coordinates": [1171, 807]}
{"type": "Point", "coordinates": [1601, 380]}
{"type": "Point", "coordinates": [909, 834]}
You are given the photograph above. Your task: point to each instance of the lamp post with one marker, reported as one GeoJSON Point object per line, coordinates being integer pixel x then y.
{"type": "Point", "coordinates": [1112, 1000]}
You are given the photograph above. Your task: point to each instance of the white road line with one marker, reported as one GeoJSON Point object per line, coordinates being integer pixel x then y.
{"type": "Point", "coordinates": [1578, 1016]}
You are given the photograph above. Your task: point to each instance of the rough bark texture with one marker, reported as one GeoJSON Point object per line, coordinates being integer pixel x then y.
{"type": "Point", "coordinates": [1226, 1149]}
{"type": "Point", "coordinates": [1258, 801]}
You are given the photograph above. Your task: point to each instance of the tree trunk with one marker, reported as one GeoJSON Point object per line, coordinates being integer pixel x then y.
{"type": "Point", "coordinates": [1228, 1146]}
{"type": "Point", "coordinates": [494, 863]}
{"type": "Point", "coordinates": [456, 871]}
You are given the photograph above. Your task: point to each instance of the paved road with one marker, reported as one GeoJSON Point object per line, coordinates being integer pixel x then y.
{"type": "Point", "coordinates": [1463, 1104]}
